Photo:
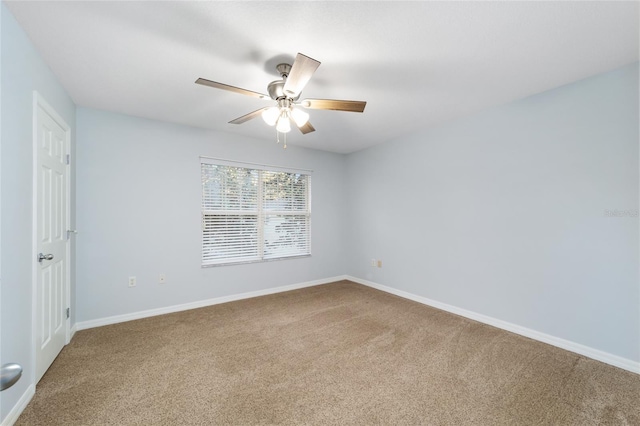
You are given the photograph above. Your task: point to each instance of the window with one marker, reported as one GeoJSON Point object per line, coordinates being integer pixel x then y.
{"type": "Point", "coordinates": [253, 213]}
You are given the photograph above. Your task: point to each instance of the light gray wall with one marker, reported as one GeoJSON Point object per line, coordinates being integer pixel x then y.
{"type": "Point", "coordinates": [503, 213]}
{"type": "Point", "coordinates": [139, 195]}
{"type": "Point", "coordinates": [22, 72]}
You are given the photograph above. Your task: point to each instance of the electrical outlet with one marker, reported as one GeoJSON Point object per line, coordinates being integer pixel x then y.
{"type": "Point", "coordinates": [132, 281]}
{"type": "Point", "coordinates": [379, 263]}
{"type": "Point", "coordinates": [162, 279]}
{"type": "Point", "coordinates": [373, 263]}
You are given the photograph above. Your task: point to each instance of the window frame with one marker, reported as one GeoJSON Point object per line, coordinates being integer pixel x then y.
{"type": "Point", "coordinates": [261, 213]}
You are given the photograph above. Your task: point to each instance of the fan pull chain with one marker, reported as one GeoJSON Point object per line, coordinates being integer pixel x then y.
{"type": "Point", "coordinates": [284, 135]}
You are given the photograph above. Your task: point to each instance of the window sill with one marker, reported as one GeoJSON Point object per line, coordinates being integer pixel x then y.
{"type": "Point", "coordinates": [245, 262]}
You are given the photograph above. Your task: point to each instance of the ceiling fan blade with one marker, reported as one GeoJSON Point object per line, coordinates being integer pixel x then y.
{"type": "Point", "coordinates": [301, 71]}
{"type": "Point", "coordinates": [306, 128]}
{"type": "Point", "coordinates": [248, 117]}
{"type": "Point", "coordinates": [235, 89]}
{"type": "Point", "coordinates": [336, 105]}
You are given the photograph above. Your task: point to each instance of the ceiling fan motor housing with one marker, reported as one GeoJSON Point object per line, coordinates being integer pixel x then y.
{"type": "Point", "coordinates": [276, 88]}
{"type": "Point", "coordinates": [276, 91]}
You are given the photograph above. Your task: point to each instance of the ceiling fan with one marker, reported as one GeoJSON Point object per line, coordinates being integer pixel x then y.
{"type": "Point", "coordinates": [286, 93]}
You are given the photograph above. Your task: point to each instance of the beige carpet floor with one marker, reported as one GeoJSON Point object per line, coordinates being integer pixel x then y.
{"type": "Point", "coordinates": [338, 353]}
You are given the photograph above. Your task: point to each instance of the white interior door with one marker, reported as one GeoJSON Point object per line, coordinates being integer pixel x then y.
{"type": "Point", "coordinates": [51, 223]}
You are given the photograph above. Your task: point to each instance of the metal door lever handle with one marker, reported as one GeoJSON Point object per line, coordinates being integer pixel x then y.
{"type": "Point", "coordinates": [42, 257]}
{"type": "Point", "coordinates": [9, 375]}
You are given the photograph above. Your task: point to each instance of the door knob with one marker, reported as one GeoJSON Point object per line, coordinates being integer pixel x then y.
{"type": "Point", "coordinates": [42, 257]}
{"type": "Point", "coordinates": [9, 375]}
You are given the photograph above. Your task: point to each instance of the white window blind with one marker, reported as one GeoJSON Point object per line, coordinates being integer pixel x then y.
{"type": "Point", "coordinates": [251, 214]}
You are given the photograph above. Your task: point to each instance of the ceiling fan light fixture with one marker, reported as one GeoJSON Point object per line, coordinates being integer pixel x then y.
{"type": "Point", "coordinates": [270, 115]}
{"type": "Point", "coordinates": [299, 116]}
{"type": "Point", "coordinates": [284, 125]}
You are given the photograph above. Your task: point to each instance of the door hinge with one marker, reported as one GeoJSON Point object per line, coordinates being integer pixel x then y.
{"type": "Point", "coordinates": [68, 313]}
{"type": "Point", "coordinates": [68, 159]}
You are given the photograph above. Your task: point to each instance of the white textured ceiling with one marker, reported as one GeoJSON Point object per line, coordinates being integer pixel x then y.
{"type": "Point", "coordinates": [415, 63]}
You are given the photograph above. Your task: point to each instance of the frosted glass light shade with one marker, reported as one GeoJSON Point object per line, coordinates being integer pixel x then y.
{"type": "Point", "coordinates": [299, 116]}
{"type": "Point", "coordinates": [284, 125]}
{"type": "Point", "coordinates": [270, 116]}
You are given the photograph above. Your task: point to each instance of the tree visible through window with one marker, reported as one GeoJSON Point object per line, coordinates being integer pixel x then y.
{"type": "Point", "coordinates": [250, 214]}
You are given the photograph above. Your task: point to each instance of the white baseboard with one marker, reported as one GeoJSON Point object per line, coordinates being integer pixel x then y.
{"type": "Point", "coordinates": [568, 345]}
{"type": "Point", "coordinates": [200, 304]}
{"type": "Point", "coordinates": [72, 332]}
{"type": "Point", "coordinates": [17, 409]}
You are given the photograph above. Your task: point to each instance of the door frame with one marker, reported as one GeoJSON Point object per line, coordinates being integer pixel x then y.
{"type": "Point", "coordinates": [40, 102]}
